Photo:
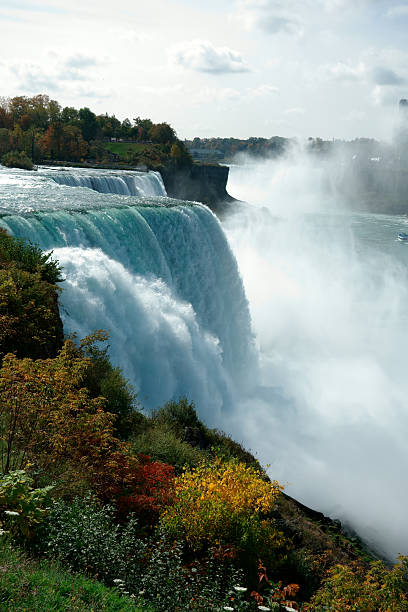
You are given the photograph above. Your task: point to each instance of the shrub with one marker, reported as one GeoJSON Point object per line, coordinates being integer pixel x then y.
{"type": "Point", "coordinates": [354, 587]}
{"type": "Point", "coordinates": [30, 324]}
{"type": "Point", "coordinates": [49, 420]}
{"type": "Point", "coordinates": [134, 484]}
{"type": "Point", "coordinates": [226, 503]}
{"type": "Point", "coordinates": [85, 536]}
{"type": "Point", "coordinates": [178, 416]}
{"type": "Point", "coordinates": [21, 505]}
{"type": "Point", "coordinates": [103, 379]}
{"type": "Point", "coordinates": [28, 257]}
{"type": "Point", "coordinates": [17, 159]}
{"type": "Point", "coordinates": [161, 443]}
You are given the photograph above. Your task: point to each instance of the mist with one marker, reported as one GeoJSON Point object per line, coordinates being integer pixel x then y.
{"type": "Point", "coordinates": [328, 290]}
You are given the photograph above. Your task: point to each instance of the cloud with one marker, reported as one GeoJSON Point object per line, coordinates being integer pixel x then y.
{"type": "Point", "coordinates": [58, 74]}
{"type": "Point", "coordinates": [386, 76]}
{"type": "Point", "coordinates": [400, 10]}
{"type": "Point", "coordinates": [271, 16]}
{"type": "Point", "coordinates": [346, 72]}
{"type": "Point", "coordinates": [33, 79]}
{"type": "Point", "coordinates": [203, 56]}
{"type": "Point", "coordinates": [263, 90]}
{"type": "Point", "coordinates": [81, 61]}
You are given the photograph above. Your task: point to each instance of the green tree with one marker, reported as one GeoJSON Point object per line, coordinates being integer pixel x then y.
{"type": "Point", "coordinates": [88, 123]}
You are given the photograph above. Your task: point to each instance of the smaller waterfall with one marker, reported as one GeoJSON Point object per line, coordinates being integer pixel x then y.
{"type": "Point", "coordinates": [130, 183]}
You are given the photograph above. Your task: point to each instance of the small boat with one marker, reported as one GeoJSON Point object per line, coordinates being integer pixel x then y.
{"type": "Point", "coordinates": [403, 237]}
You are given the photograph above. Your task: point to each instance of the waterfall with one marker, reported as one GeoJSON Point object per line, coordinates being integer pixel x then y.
{"type": "Point", "coordinates": [129, 183]}
{"type": "Point", "coordinates": [158, 274]}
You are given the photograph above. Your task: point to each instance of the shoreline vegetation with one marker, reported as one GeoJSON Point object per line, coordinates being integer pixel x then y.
{"type": "Point", "coordinates": [104, 507]}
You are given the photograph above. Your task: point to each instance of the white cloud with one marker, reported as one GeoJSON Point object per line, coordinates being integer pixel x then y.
{"type": "Point", "coordinates": [203, 56]}
{"type": "Point", "coordinates": [271, 16]}
{"type": "Point", "coordinates": [346, 72]}
{"type": "Point", "coordinates": [33, 79]}
{"type": "Point", "coordinates": [263, 90]}
{"type": "Point", "coordinates": [80, 61]}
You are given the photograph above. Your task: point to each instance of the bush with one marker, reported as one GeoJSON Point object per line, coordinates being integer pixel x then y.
{"type": "Point", "coordinates": [226, 503]}
{"type": "Point", "coordinates": [21, 506]}
{"type": "Point", "coordinates": [161, 443]}
{"type": "Point", "coordinates": [17, 159]}
{"type": "Point", "coordinates": [30, 324]}
{"type": "Point", "coordinates": [103, 379]}
{"type": "Point", "coordinates": [49, 420]}
{"type": "Point", "coordinates": [28, 257]}
{"type": "Point", "coordinates": [134, 484]}
{"type": "Point", "coordinates": [354, 587]}
{"type": "Point", "coordinates": [84, 536]}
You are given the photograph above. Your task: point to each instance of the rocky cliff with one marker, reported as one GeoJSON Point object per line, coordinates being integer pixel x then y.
{"type": "Point", "coordinates": [202, 183]}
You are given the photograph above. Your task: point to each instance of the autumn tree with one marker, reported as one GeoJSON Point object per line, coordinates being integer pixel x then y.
{"type": "Point", "coordinates": [47, 418]}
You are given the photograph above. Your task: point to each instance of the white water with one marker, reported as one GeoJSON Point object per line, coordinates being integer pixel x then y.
{"type": "Point", "coordinates": [130, 183]}
{"type": "Point", "coordinates": [158, 274]}
{"type": "Point", "coordinates": [328, 295]}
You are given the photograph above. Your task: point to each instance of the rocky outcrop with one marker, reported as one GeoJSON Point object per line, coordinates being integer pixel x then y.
{"type": "Point", "coordinates": [205, 183]}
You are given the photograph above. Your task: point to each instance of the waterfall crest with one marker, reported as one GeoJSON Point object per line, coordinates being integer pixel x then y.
{"type": "Point", "coordinates": [131, 183]}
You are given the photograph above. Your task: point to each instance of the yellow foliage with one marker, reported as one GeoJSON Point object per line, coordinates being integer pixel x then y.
{"type": "Point", "coordinates": [222, 502]}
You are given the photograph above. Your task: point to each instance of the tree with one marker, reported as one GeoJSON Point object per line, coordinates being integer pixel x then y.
{"type": "Point", "coordinates": [88, 123]}
{"type": "Point", "coordinates": [142, 128]}
{"type": "Point", "coordinates": [162, 133]}
{"type": "Point", "coordinates": [47, 418]}
{"type": "Point", "coordinates": [69, 114]}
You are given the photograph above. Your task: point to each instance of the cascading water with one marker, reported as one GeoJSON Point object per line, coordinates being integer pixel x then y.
{"type": "Point", "coordinates": [328, 294]}
{"type": "Point", "coordinates": [157, 273]}
{"type": "Point", "coordinates": [130, 183]}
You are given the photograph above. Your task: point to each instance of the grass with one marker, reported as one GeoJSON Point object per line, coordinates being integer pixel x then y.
{"type": "Point", "coordinates": [124, 149]}
{"type": "Point", "coordinates": [35, 586]}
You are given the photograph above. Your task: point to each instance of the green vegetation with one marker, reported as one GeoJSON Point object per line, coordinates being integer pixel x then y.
{"type": "Point", "coordinates": [50, 133]}
{"type": "Point", "coordinates": [34, 585]}
{"type": "Point", "coordinates": [30, 324]}
{"type": "Point", "coordinates": [17, 159]}
{"type": "Point", "coordinates": [167, 513]}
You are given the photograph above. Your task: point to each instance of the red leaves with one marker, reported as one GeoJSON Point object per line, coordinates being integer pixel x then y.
{"type": "Point", "coordinates": [135, 484]}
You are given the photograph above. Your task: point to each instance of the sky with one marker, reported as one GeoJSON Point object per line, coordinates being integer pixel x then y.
{"type": "Point", "coordinates": [241, 68]}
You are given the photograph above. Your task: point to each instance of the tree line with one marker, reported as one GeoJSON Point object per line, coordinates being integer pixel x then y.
{"type": "Point", "coordinates": [45, 130]}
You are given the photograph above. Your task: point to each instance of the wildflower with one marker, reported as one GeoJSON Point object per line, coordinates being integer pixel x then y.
{"type": "Point", "coordinates": [2, 532]}
{"type": "Point", "coordinates": [240, 589]}
{"type": "Point", "coordinates": [117, 581]}
{"type": "Point", "coordinates": [141, 592]}
{"type": "Point", "coordinates": [194, 569]}
{"type": "Point", "coordinates": [11, 513]}
{"type": "Point", "coordinates": [228, 608]}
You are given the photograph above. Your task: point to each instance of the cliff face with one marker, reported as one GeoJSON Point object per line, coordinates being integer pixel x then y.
{"type": "Point", "coordinates": [200, 183]}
